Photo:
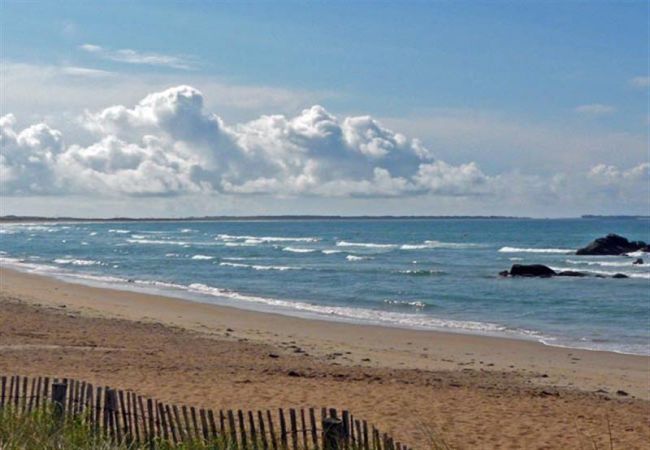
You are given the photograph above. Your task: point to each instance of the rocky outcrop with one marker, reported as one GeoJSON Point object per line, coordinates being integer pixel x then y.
{"type": "Point", "coordinates": [531, 270]}
{"type": "Point", "coordinates": [613, 244]}
{"type": "Point", "coordinates": [542, 271]}
{"type": "Point", "coordinates": [571, 273]}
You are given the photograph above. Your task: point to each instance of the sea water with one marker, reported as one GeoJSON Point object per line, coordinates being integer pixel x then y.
{"type": "Point", "coordinates": [436, 274]}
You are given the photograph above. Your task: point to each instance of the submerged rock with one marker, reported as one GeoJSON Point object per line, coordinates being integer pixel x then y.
{"type": "Point", "coordinates": [620, 275]}
{"type": "Point", "coordinates": [571, 273]}
{"type": "Point", "coordinates": [613, 244]}
{"type": "Point", "coordinates": [638, 261]}
{"type": "Point", "coordinates": [531, 270]}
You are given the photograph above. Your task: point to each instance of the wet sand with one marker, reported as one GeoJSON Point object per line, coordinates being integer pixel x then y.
{"type": "Point", "coordinates": [470, 391]}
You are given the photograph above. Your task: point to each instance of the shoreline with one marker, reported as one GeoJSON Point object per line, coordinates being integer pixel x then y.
{"type": "Point", "coordinates": [184, 293]}
{"type": "Point", "coordinates": [384, 346]}
{"type": "Point", "coordinates": [466, 391]}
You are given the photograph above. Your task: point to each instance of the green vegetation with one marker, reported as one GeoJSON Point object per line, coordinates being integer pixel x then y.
{"type": "Point", "coordinates": [40, 430]}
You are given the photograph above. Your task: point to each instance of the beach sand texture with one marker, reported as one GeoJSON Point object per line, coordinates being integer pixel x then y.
{"type": "Point", "coordinates": [472, 391]}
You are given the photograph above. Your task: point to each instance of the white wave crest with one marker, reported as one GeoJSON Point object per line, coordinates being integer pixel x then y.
{"type": "Point", "coordinates": [564, 251]}
{"type": "Point", "coordinates": [298, 250]}
{"type": "Point", "coordinates": [606, 263]}
{"type": "Point", "coordinates": [156, 242]}
{"type": "Point", "coordinates": [77, 262]}
{"type": "Point", "coordinates": [258, 266]}
{"type": "Point", "coordinates": [637, 254]}
{"type": "Point", "coordinates": [331, 251]}
{"type": "Point", "coordinates": [119, 231]}
{"type": "Point", "coordinates": [645, 275]}
{"type": "Point", "coordinates": [364, 244]}
{"type": "Point", "coordinates": [357, 258]}
{"type": "Point", "coordinates": [263, 239]}
{"type": "Point", "coordinates": [202, 257]}
{"type": "Point", "coordinates": [413, 303]}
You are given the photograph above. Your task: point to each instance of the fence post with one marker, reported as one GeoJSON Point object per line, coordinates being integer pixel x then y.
{"type": "Point", "coordinates": [58, 400]}
{"type": "Point", "coordinates": [333, 433]}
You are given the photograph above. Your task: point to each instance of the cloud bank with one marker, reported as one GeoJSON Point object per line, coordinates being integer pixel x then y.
{"type": "Point", "coordinates": [168, 145]}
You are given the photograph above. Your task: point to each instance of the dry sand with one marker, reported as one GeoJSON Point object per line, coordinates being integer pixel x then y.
{"type": "Point", "coordinates": [472, 391]}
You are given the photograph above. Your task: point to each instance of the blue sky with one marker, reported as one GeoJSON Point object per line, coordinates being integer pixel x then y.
{"type": "Point", "coordinates": [530, 92]}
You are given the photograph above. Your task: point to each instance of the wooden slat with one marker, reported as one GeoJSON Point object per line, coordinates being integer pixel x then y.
{"type": "Point", "coordinates": [182, 434]}
{"type": "Point", "coordinates": [242, 428]}
{"type": "Point", "coordinates": [366, 441]}
{"type": "Point", "coordinates": [23, 403]}
{"type": "Point", "coordinates": [232, 429]}
{"type": "Point", "coordinates": [204, 424]}
{"type": "Point", "coordinates": [195, 423]}
{"type": "Point", "coordinates": [163, 420]}
{"type": "Point", "coordinates": [143, 420]}
{"type": "Point", "coordinates": [260, 422]}
{"type": "Point", "coordinates": [274, 442]}
{"type": "Point", "coordinates": [98, 409]}
{"type": "Point", "coordinates": [3, 390]}
{"type": "Point", "coordinates": [345, 416]}
{"type": "Point", "coordinates": [314, 428]}
{"type": "Point", "coordinates": [188, 426]}
{"type": "Point", "coordinates": [46, 388]}
{"type": "Point", "coordinates": [126, 428]}
{"type": "Point", "coordinates": [151, 422]}
{"type": "Point", "coordinates": [294, 428]}
{"type": "Point", "coordinates": [213, 426]}
{"type": "Point", "coordinates": [251, 429]}
{"type": "Point", "coordinates": [359, 436]}
{"type": "Point", "coordinates": [222, 423]}
{"type": "Point", "coordinates": [172, 426]}
{"type": "Point", "coordinates": [283, 430]}
{"type": "Point", "coordinates": [303, 424]}
{"type": "Point", "coordinates": [137, 414]}
{"type": "Point", "coordinates": [32, 395]}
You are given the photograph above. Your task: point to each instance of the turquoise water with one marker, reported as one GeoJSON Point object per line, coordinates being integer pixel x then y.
{"type": "Point", "coordinates": [427, 274]}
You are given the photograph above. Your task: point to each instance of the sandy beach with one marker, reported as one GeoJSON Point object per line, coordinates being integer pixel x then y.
{"type": "Point", "coordinates": [470, 391]}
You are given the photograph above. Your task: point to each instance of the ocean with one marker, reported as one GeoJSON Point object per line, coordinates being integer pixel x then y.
{"type": "Point", "coordinates": [439, 274]}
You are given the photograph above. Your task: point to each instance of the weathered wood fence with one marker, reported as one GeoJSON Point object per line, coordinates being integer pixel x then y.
{"type": "Point", "coordinates": [125, 416]}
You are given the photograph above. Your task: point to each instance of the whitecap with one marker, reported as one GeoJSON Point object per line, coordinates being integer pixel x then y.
{"type": "Point", "coordinates": [264, 239]}
{"type": "Point", "coordinates": [298, 250]}
{"type": "Point", "coordinates": [645, 275]}
{"type": "Point", "coordinates": [118, 231]}
{"type": "Point", "coordinates": [536, 250]}
{"type": "Point", "coordinates": [258, 266]}
{"type": "Point", "coordinates": [202, 257]}
{"type": "Point", "coordinates": [77, 262]}
{"type": "Point", "coordinates": [331, 251]}
{"type": "Point", "coordinates": [364, 244]}
{"type": "Point", "coordinates": [357, 258]}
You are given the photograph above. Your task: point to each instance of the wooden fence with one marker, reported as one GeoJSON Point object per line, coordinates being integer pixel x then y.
{"type": "Point", "coordinates": [127, 417]}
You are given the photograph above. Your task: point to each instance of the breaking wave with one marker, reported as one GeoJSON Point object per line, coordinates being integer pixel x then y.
{"type": "Point", "coordinates": [536, 250]}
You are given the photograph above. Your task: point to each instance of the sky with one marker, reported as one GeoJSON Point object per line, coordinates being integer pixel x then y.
{"type": "Point", "coordinates": [169, 109]}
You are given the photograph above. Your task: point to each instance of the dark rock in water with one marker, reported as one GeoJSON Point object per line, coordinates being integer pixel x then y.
{"type": "Point", "coordinates": [571, 273]}
{"type": "Point", "coordinates": [638, 261]}
{"type": "Point", "coordinates": [504, 273]}
{"type": "Point", "coordinates": [531, 270]}
{"type": "Point", "coordinates": [620, 275]}
{"type": "Point", "coordinates": [613, 244]}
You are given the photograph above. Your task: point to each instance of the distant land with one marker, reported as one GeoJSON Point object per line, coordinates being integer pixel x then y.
{"type": "Point", "coordinates": [14, 218]}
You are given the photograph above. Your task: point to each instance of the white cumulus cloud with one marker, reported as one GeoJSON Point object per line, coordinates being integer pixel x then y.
{"type": "Point", "coordinates": [167, 144]}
